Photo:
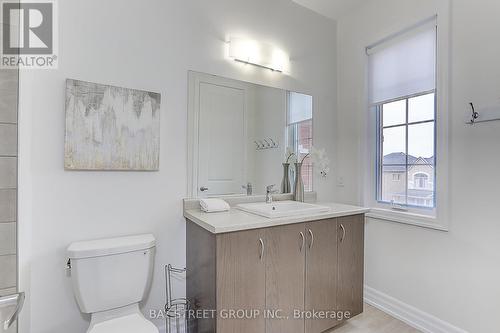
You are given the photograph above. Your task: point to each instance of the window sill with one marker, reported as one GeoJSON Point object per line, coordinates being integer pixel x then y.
{"type": "Point", "coordinates": [406, 218]}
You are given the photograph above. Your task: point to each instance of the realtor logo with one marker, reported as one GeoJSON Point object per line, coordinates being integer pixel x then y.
{"type": "Point", "coordinates": [29, 34]}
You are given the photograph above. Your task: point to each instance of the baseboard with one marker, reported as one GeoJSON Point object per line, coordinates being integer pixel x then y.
{"type": "Point", "coordinates": [414, 317]}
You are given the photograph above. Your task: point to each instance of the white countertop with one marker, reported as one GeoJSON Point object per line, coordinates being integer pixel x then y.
{"type": "Point", "coordinates": [237, 220]}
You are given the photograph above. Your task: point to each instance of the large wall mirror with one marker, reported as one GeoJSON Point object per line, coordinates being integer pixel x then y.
{"type": "Point", "coordinates": [240, 133]}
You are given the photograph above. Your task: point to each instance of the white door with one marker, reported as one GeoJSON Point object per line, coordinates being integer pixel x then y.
{"type": "Point", "coordinates": [221, 147]}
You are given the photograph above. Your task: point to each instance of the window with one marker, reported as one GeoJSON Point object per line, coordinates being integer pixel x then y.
{"type": "Point", "coordinates": [396, 177]}
{"type": "Point", "coordinates": [420, 180]}
{"type": "Point", "coordinates": [406, 144]}
{"type": "Point", "coordinates": [300, 132]}
{"type": "Point", "coordinates": [402, 84]}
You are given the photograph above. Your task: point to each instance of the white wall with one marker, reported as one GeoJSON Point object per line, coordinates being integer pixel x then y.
{"type": "Point", "coordinates": [452, 275]}
{"type": "Point", "coordinates": [146, 45]}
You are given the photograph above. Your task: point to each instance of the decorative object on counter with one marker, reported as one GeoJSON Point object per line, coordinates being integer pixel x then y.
{"type": "Point", "coordinates": [322, 165]}
{"type": "Point", "coordinates": [176, 308]}
{"type": "Point", "coordinates": [111, 128]}
{"type": "Point", "coordinates": [214, 205]}
{"type": "Point", "coordinates": [266, 144]}
{"type": "Point", "coordinates": [285, 182]}
{"type": "Point", "coordinates": [321, 161]}
{"type": "Point", "coordinates": [290, 157]}
{"type": "Point", "coordinates": [298, 193]}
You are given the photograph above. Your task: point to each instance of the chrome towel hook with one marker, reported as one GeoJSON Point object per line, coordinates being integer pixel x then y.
{"type": "Point", "coordinates": [475, 115]}
{"type": "Point", "coordinates": [265, 144]}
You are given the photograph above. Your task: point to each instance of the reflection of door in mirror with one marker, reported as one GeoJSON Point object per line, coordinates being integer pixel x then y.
{"type": "Point", "coordinates": [222, 136]}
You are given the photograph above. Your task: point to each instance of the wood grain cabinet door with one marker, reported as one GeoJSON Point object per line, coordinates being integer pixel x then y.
{"type": "Point", "coordinates": [241, 282]}
{"type": "Point", "coordinates": [285, 261]}
{"type": "Point", "coordinates": [321, 274]}
{"type": "Point", "coordinates": [350, 263]}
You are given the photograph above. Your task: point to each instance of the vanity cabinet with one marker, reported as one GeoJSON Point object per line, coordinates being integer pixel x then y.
{"type": "Point", "coordinates": [313, 266]}
{"type": "Point", "coordinates": [321, 273]}
{"type": "Point", "coordinates": [284, 256]}
{"type": "Point", "coordinates": [350, 247]}
{"type": "Point", "coordinates": [241, 279]}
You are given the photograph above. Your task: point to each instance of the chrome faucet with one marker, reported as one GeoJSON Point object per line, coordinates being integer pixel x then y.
{"type": "Point", "coordinates": [269, 193]}
{"type": "Point", "coordinates": [248, 187]}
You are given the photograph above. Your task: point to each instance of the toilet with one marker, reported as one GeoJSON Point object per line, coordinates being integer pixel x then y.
{"type": "Point", "coordinates": [110, 278]}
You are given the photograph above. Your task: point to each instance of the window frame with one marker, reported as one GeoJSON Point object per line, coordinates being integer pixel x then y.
{"type": "Point", "coordinates": [292, 130]}
{"type": "Point", "coordinates": [431, 211]}
{"type": "Point", "coordinates": [440, 221]}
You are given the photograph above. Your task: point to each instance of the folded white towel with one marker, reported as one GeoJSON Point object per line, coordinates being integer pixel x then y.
{"type": "Point", "coordinates": [214, 205]}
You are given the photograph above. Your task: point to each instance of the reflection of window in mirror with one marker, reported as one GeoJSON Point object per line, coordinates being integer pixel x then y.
{"type": "Point", "coordinates": [300, 132]}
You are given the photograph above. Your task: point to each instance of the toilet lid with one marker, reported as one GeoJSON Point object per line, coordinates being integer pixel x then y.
{"type": "Point", "coordinates": [133, 323]}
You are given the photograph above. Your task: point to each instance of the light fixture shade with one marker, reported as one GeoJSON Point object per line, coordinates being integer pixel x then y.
{"type": "Point", "coordinates": [259, 54]}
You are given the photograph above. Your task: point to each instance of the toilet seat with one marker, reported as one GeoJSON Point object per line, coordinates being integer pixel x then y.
{"type": "Point", "coordinates": [133, 323]}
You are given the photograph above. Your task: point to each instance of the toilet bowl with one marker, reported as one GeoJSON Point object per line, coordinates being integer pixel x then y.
{"type": "Point", "coordinates": [110, 278]}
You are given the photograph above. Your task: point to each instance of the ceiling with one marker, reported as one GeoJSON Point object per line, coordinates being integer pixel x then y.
{"type": "Point", "coordinates": [333, 9]}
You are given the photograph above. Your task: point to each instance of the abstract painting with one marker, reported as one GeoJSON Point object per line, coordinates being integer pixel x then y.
{"type": "Point", "coordinates": [111, 128]}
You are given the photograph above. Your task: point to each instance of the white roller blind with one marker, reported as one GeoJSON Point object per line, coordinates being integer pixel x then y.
{"type": "Point", "coordinates": [299, 107]}
{"type": "Point", "coordinates": [404, 65]}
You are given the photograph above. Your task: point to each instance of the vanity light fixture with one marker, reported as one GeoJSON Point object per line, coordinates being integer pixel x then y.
{"type": "Point", "coordinates": [258, 54]}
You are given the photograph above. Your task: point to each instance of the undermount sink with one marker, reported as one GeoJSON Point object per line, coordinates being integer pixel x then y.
{"type": "Point", "coordinates": [282, 208]}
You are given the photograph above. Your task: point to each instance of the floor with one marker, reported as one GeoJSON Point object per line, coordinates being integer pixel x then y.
{"type": "Point", "coordinates": [373, 320]}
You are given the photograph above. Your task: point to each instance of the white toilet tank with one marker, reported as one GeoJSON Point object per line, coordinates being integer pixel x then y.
{"type": "Point", "coordinates": [111, 273]}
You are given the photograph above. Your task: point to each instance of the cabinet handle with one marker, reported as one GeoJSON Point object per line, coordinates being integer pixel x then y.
{"type": "Point", "coordinates": [343, 232]}
{"type": "Point", "coordinates": [261, 248]}
{"type": "Point", "coordinates": [312, 238]}
{"type": "Point", "coordinates": [303, 241]}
